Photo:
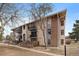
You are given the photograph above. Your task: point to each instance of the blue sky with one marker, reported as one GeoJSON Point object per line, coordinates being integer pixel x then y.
{"type": "Point", "coordinates": [72, 15]}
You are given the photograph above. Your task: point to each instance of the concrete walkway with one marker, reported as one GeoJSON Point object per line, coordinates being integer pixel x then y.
{"type": "Point", "coordinates": [30, 49]}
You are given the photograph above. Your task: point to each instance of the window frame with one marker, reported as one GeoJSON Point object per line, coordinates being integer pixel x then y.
{"type": "Point", "coordinates": [62, 32]}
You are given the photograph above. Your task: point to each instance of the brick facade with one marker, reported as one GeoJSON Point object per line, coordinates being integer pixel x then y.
{"type": "Point", "coordinates": [54, 31]}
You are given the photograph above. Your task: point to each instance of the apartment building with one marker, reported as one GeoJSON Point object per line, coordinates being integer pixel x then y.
{"type": "Point", "coordinates": [54, 30]}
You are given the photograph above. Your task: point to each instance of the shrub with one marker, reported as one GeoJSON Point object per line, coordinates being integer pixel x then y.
{"type": "Point", "coordinates": [1, 36]}
{"type": "Point", "coordinates": [29, 44]}
{"type": "Point", "coordinates": [14, 42]}
{"type": "Point", "coordinates": [35, 43]}
{"type": "Point", "coordinates": [68, 41]}
{"type": "Point", "coordinates": [26, 44]}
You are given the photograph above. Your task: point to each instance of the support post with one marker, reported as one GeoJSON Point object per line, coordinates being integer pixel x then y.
{"type": "Point", "coordinates": [64, 50]}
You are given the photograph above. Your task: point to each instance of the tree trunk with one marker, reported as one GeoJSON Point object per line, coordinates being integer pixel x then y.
{"type": "Point", "coordinates": [44, 39]}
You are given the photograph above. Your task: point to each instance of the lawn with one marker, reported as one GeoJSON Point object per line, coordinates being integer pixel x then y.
{"type": "Point", "coordinates": [13, 51]}
{"type": "Point", "coordinates": [72, 49]}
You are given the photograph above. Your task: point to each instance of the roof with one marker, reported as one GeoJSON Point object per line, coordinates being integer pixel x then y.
{"type": "Point", "coordinates": [55, 13]}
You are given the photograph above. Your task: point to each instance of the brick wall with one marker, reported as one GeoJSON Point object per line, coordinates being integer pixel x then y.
{"type": "Point", "coordinates": [54, 31]}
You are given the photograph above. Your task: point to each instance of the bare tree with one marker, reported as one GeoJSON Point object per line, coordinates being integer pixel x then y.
{"type": "Point", "coordinates": [9, 15]}
{"type": "Point", "coordinates": [38, 12]}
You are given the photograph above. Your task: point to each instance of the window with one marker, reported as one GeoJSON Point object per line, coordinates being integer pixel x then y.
{"type": "Point", "coordinates": [49, 31]}
{"type": "Point", "coordinates": [23, 26]}
{"type": "Point", "coordinates": [62, 23]}
{"type": "Point", "coordinates": [62, 32]}
{"type": "Point", "coordinates": [62, 41]}
{"type": "Point", "coordinates": [33, 34]}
